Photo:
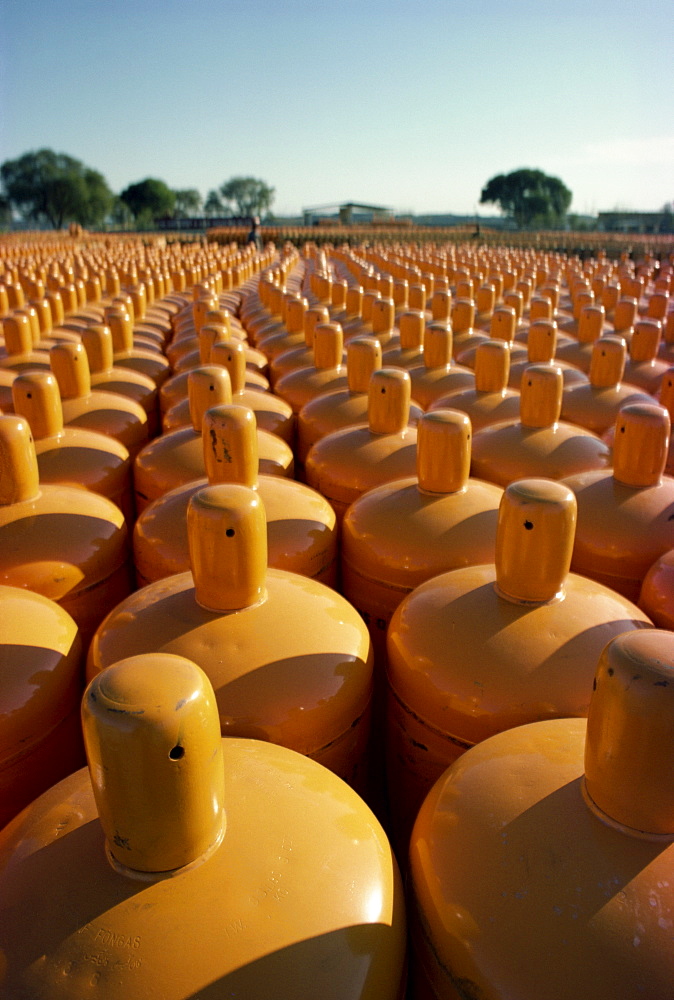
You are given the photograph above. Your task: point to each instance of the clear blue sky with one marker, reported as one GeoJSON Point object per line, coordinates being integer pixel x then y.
{"type": "Point", "coordinates": [413, 105]}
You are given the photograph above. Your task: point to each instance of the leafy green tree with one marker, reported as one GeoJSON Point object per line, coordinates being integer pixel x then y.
{"type": "Point", "coordinates": [53, 187]}
{"type": "Point", "coordinates": [149, 200]}
{"type": "Point", "coordinates": [529, 197]}
{"type": "Point", "coordinates": [188, 202]}
{"type": "Point", "coordinates": [248, 195]}
{"type": "Point", "coordinates": [213, 204]}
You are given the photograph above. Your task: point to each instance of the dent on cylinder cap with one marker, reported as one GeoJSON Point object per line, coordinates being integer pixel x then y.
{"type": "Point", "coordinates": [629, 750]}
{"type": "Point", "coordinates": [152, 737]}
{"type": "Point", "coordinates": [534, 540]}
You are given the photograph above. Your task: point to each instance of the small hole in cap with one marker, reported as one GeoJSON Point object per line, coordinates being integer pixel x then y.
{"type": "Point", "coordinates": [177, 753]}
{"type": "Point", "coordinates": [230, 532]}
{"type": "Point", "coordinates": [528, 525]}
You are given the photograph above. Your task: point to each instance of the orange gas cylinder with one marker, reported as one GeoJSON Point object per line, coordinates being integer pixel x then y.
{"type": "Point", "coordinates": [595, 405]}
{"type": "Point", "coordinates": [626, 515]}
{"type": "Point", "coordinates": [301, 524]}
{"type": "Point", "coordinates": [464, 331]}
{"type": "Point", "coordinates": [272, 413]}
{"type": "Point", "coordinates": [41, 684]}
{"type": "Point", "coordinates": [288, 334]}
{"type": "Point", "coordinates": [540, 444]}
{"type": "Point", "coordinates": [438, 375]}
{"type": "Point", "coordinates": [178, 457]}
{"type": "Point", "coordinates": [490, 401]}
{"type": "Point", "coordinates": [643, 368]}
{"type": "Point", "coordinates": [97, 341]}
{"type": "Point", "coordinates": [182, 865]}
{"type": "Point", "coordinates": [408, 350]}
{"type": "Point", "coordinates": [326, 374]}
{"type": "Point", "coordinates": [502, 326]}
{"type": "Point", "coordinates": [571, 825]}
{"type": "Point", "coordinates": [485, 648]}
{"type": "Point", "coordinates": [353, 460]}
{"type": "Point", "coordinates": [67, 544]}
{"type": "Point", "coordinates": [400, 534]}
{"type": "Point", "coordinates": [289, 658]}
{"type": "Point", "coordinates": [125, 355]}
{"type": "Point", "coordinates": [542, 341]}
{"type": "Point", "coordinates": [303, 354]}
{"type": "Point", "coordinates": [351, 316]}
{"type": "Point", "coordinates": [19, 352]}
{"type": "Point", "coordinates": [106, 412]}
{"type": "Point", "coordinates": [71, 456]}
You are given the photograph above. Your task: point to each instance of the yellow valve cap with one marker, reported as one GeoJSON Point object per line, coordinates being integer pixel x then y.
{"type": "Point", "coordinates": [19, 475]}
{"type": "Point", "coordinates": [417, 297]}
{"type": "Point", "coordinates": [152, 737]}
{"type": "Point", "coordinates": [645, 340]}
{"type": "Point", "coordinates": [667, 392]}
{"type": "Point", "coordinates": [230, 445]}
{"type": "Point", "coordinates": [97, 340]}
{"type": "Point", "coordinates": [17, 333]}
{"type": "Point", "coordinates": [382, 315]}
{"type": "Point", "coordinates": [354, 300]}
{"type": "Point", "coordinates": [328, 345]}
{"type": "Point", "coordinates": [541, 395]}
{"type": "Point", "coordinates": [590, 323]}
{"type": "Point", "coordinates": [641, 444]}
{"type": "Point", "coordinates": [542, 341]}
{"type": "Point", "coordinates": [227, 537]}
{"type": "Point", "coordinates": [629, 764]}
{"type": "Point", "coordinates": [210, 334]}
{"type": "Point", "coordinates": [207, 386]}
{"type": "Point", "coordinates": [534, 540]}
{"type": "Point", "coordinates": [35, 395]}
{"type": "Point", "coordinates": [463, 315]}
{"type": "Point", "coordinates": [401, 291]}
{"type": "Point", "coordinates": [492, 366]}
{"type": "Point", "coordinates": [443, 451]}
{"type": "Point", "coordinates": [607, 363]}
{"type": "Point", "coordinates": [438, 345]}
{"type": "Point", "coordinates": [70, 365]}
{"type": "Point", "coordinates": [121, 329]}
{"type": "Point", "coordinates": [220, 317]}
{"type": "Point", "coordinates": [626, 311]}
{"type": "Point", "coordinates": [389, 397]}
{"type": "Point", "coordinates": [312, 317]}
{"type": "Point", "coordinates": [540, 308]}
{"type": "Point", "coordinates": [503, 324]}
{"type": "Point", "coordinates": [412, 325]}
{"type": "Point", "coordinates": [363, 357]}
{"type": "Point", "coordinates": [441, 304]}
{"type": "Point", "coordinates": [230, 355]}
{"type": "Point", "coordinates": [338, 294]}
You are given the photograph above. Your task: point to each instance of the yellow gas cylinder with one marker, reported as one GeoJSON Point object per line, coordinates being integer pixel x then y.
{"type": "Point", "coordinates": [19, 353]}
{"type": "Point", "coordinates": [408, 350]}
{"type": "Point", "coordinates": [65, 543]}
{"type": "Point", "coordinates": [326, 374]}
{"type": "Point", "coordinates": [490, 401]}
{"type": "Point", "coordinates": [502, 326]}
{"type": "Point", "coordinates": [438, 375]}
{"type": "Point", "coordinates": [626, 515]}
{"type": "Point", "coordinates": [644, 368]}
{"type": "Point", "coordinates": [71, 456]}
{"type": "Point", "coordinates": [624, 317]}
{"type": "Point", "coordinates": [590, 328]}
{"type": "Point", "coordinates": [350, 318]}
{"type": "Point", "coordinates": [97, 341]}
{"type": "Point", "coordinates": [484, 648]}
{"type": "Point", "coordinates": [540, 444]}
{"type": "Point", "coordinates": [289, 658]}
{"type": "Point", "coordinates": [94, 409]}
{"type": "Point", "coordinates": [126, 355]}
{"type": "Point", "coordinates": [571, 823]}
{"type": "Point", "coordinates": [41, 684]}
{"type": "Point", "coordinates": [6, 379]}
{"type": "Point", "coordinates": [595, 405]}
{"type": "Point", "coordinates": [352, 460]}
{"type": "Point", "coordinates": [178, 457]}
{"type": "Point", "coordinates": [272, 413]}
{"type": "Point", "coordinates": [303, 354]}
{"type": "Point", "coordinates": [288, 334]}
{"type": "Point", "coordinates": [541, 342]}
{"type": "Point", "coordinates": [401, 533]}
{"type": "Point", "coordinates": [203, 867]}
{"type": "Point", "coordinates": [118, 317]}
{"type": "Point", "coordinates": [301, 524]}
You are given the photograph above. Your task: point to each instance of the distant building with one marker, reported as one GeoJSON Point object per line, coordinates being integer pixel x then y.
{"type": "Point", "coordinates": [348, 213]}
{"type": "Point", "coordinates": [634, 222]}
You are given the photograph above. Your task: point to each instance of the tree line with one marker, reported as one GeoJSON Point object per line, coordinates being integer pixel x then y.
{"type": "Point", "coordinates": [45, 186]}
{"type": "Point", "coordinates": [53, 188]}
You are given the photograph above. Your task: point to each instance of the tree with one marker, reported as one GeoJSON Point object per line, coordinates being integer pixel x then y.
{"type": "Point", "coordinates": [53, 187]}
{"type": "Point", "coordinates": [529, 197]}
{"type": "Point", "coordinates": [149, 200]}
{"type": "Point", "coordinates": [188, 201]}
{"type": "Point", "coordinates": [213, 204]}
{"type": "Point", "coordinates": [249, 195]}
